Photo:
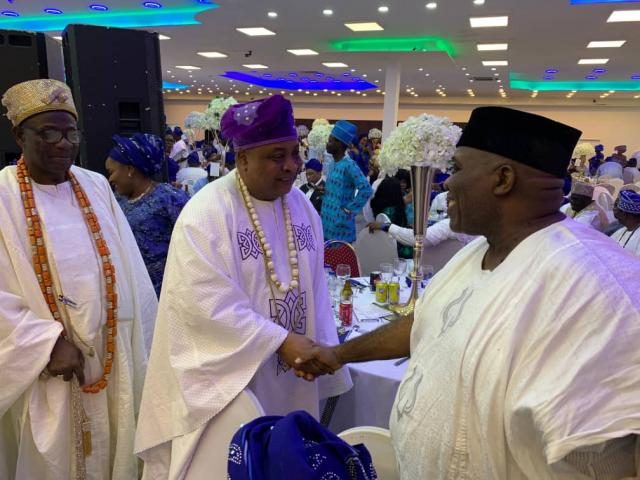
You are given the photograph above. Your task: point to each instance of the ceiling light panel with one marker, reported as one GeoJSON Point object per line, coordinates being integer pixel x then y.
{"type": "Point", "coordinates": [492, 47]}
{"type": "Point", "coordinates": [484, 22]}
{"type": "Point", "coordinates": [256, 31]}
{"type": "Point", "coordinates": [335, 65]}
{"type": "Point", "coordinates": [364, 27]}
{"type": "Point", "coordinates": [624, 16]}
{"type": "Point", "coordinates": [607, 44]}
{"type": "Point", "coordinates": [302, 51]}
{"type": "Point", "coordinates": [495, 63]}
{"type": "Point", "coordinates": [593, 61]}
{"type": "Point", "coordinates": [212, 54]}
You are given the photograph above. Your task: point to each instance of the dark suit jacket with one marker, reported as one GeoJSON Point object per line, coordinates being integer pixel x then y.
{"type": "Point", "coordinates": [316, 196]}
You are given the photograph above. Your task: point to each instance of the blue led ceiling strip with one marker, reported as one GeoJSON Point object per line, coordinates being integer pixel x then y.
{"type": "Point", "coordinates": [130, 18]}
{"type": "Point", "coordinates": [289, 83]}
{"type": "Point", "coordinates": [516, 82]}
{"type": "Point", "coordinates": [173, 86]}
{"type": "Point", "coordinates": [593, 2]}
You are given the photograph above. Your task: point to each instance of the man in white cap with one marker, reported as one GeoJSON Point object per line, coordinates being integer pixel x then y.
{"type": "Point", "coordinates": [244, 293]}
{"type": "Point", "coordinates": [76, 304]}
{"type": "Point", "coordinates": [627, 212]}
{"type": "Point", "coordinates": [581, 207]}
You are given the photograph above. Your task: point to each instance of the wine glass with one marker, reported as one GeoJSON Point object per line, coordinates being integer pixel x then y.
{"type": "Point", "coordinates": [387, 270]}
{"type": "Point", "coordinates": [343, 272]}
{"type": "Point", "coordinates": [427, 272]}
{"type": "Point", "coordinates": [399, 267]}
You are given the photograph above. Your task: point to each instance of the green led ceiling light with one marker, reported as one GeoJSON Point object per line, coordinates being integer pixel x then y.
{"type": "Point", "coordinates": [518, 83]}
{"type": "Point", "coordinates": [129, 18]}
{"type": "Point", "coordinates": [395, 44]}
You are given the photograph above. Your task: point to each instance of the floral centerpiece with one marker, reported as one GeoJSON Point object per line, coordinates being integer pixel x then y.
{"type": "Point", "coordinates": [215, 110]}
{"type": "Point", "coordinates": [422, 144]}
{"type": "Point", "coordinates": [195, 120]}
{"type": "Point", "coordinates": [318, 138]}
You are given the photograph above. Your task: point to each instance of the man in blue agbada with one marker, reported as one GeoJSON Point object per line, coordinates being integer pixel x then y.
{"type": "Point", "coordinates": [347, 189]}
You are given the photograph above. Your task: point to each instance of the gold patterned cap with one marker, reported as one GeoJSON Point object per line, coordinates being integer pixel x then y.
{"type": "Point", "coordinates": [30, 98]}
{"type": "Point", "coordinates": [580, 187]}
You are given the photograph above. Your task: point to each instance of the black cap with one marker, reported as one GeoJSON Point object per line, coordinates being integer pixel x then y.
{"type": "Point", "coordinates": [526, 138]}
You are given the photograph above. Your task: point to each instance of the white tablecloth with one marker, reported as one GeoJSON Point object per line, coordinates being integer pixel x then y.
{"type": "Point", "coordinates": [375, 384]}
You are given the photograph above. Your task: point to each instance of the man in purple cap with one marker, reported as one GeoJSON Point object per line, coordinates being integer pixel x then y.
{"type": "Point", "coordinates": [347, 189]}
{"type": "Point", "coordinates": [243, 295]}
{"type": "Point", "coordinates": [524, 359]}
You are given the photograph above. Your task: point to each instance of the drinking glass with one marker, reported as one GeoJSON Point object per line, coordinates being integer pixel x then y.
{"type": "Point", "coordinates": [343, 272]}
{"type": "Point", "coordinates": [428, 273]}
{"type": "Point", "coordinates": [399, 267]}
{"type": "Point", "coordinates": [387, 271]}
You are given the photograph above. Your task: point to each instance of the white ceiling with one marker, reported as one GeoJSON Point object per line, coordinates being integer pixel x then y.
{"type": "Point", "coordinates": [541, 34]}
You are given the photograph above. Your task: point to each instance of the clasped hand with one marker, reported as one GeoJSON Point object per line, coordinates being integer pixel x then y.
{"type": "Point", "coordinates": [309, 359]}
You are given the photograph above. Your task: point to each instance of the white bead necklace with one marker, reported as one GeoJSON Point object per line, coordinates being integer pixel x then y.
{"type": "Point", "coordinates": [266, 248]}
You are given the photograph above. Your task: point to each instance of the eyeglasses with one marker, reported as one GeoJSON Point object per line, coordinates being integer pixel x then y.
{"type": "Point", "coordinates": [53, 136]}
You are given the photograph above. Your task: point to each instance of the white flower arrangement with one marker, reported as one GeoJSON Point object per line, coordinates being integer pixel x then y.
{"type": "Point", "coordinates": [319, 136]}
{"type": "Point", "coordinates": [319, 121]}
{"type": "Point", "coordinates": [215, 110]}
{"type": "Point", "coordinates": [584, 149]}
{"type": "Point", "coordinates": [425, 141]}
{"type": "Point", "coordinates": [195, 120]}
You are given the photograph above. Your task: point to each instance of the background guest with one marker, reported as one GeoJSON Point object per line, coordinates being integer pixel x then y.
{"type": "Point", "coordinates": [627, 211]}
{"type": "Point", "coordinates": [187, 177]}
{"type": "Point", "coordinates": [314, 188]}
{"type": "Point", "coordinates": [151, 208]}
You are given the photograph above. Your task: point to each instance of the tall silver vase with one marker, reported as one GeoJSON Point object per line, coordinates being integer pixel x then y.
{"type": "Point", "coordinates": [421, 181]}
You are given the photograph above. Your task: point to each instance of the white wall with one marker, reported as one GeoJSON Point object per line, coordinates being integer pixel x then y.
{"type": "Point", "coordinates": [610, 125]}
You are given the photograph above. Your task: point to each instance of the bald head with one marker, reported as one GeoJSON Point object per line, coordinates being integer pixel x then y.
{"type": "Point", "coordinates": [489, 192]}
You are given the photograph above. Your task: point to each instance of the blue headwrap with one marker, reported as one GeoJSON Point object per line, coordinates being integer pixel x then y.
{"type": "Point", "coordinates": [177, 132]}
{"type": "Point", "coordinates": [295, 447]}
{"type": "Point", "coordinates": [143, 151]}
{"type": "Point", "coordinates": [629, 202]}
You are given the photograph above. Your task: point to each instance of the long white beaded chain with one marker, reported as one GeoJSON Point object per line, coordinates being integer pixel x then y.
{"type": "Point", "coordinates": [266, 248]}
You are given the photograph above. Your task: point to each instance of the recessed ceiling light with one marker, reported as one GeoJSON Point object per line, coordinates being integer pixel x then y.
{"type": "Point", "coordinates": [152, 5]}
{"type": "Point", "coordinates": [492, 47]}
{"type": "Point", "coordinates": [328, 12]}
{"type": "Point", "coordinates": [592, 61]}
{"type": "Point", "coordinates": [624, 16]}
{"type": "Point", "coordinates": [495, 63]}
{"type": "Point", "coordinates": [187, 67]}
{"type": "Point", "coordinates": [272, 15]}
{"type": "Point", "coordinates": [591, 77]}
{"type": "Point", "coordinates": [255, 66]}
{"type": "Point", "coordinates": [607, 44]}
{"type": "Point", "coordinates": [256, 31]}
{"type": "Point", "coordinates": [478, 2]}
{"type": "Point", "coordinates": [212, 54]}
{"type": "Point", "coordinates": [599, 70]}
{"type": "Point", "coordinates": [431, 5]}
{"type": "Point", "coordinates": [482, 22]}
{"type": "Point", "coordinates": [383, 9]}
{"type": "Point", "coordinates": [98, 7]}
{"type": "Point", "coordinates": [10, 13]}
{"type": "Point", "coordinates": [364, 26]}
{"type": "Point", "coordinates": [335, 65]}
{"type": "Point", "coordinates": [53, 11]}
{"type": "Point", "coordinates": [635, 77]}
{"type": "Point", "coordinates": [302, 51]}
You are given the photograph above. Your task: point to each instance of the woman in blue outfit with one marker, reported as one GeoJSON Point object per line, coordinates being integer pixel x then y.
{"type": "Point", "coordinates": [151, 208]}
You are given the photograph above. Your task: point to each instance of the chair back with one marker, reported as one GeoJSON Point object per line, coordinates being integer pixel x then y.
{"type": "Point", "coordinates": [337, 252]}
{"type": "Point", "coordinates": [604, 203]}
{"type": "Point", "coordinates": [631, 186]}
{"type": "Point", "coordinates": [617, 184]}
{"type": "Point", "coordinates": [378, 442]}
{"type": "Point", "coordinates": [438, 255]}
{"type": "Point", "coordinates": [212, 452]}
{"type": "Point", "coordinates": [375, 248]}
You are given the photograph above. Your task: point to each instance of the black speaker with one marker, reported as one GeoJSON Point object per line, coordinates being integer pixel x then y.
{"type": "Point", "coordinates": [26, 56]}
{"type": "Point", "coordinates": [116, 79]}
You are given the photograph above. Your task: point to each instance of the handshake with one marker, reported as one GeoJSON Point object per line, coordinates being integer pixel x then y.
{"type": "Point", "coordinates": [309, 359]}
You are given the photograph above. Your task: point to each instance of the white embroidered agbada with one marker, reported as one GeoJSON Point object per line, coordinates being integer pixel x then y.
{"type": "Point", "coordinates": [219, 327]}
{"type": "Point", "coordinates": [513, 369]}
{"type": "Point", "coordinates": [36, 435]}
{"type": "Point", "coordinates": [628, 239]}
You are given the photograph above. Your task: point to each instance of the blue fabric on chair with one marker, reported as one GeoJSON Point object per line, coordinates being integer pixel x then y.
{"type": "Point", "coordinates": [295, 447]}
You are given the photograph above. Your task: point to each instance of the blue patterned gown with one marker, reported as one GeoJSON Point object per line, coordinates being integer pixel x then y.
{"type": "Point", "coordinates": [346, 187]}
{"type": "Point", "coordinates": [152, 219]}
